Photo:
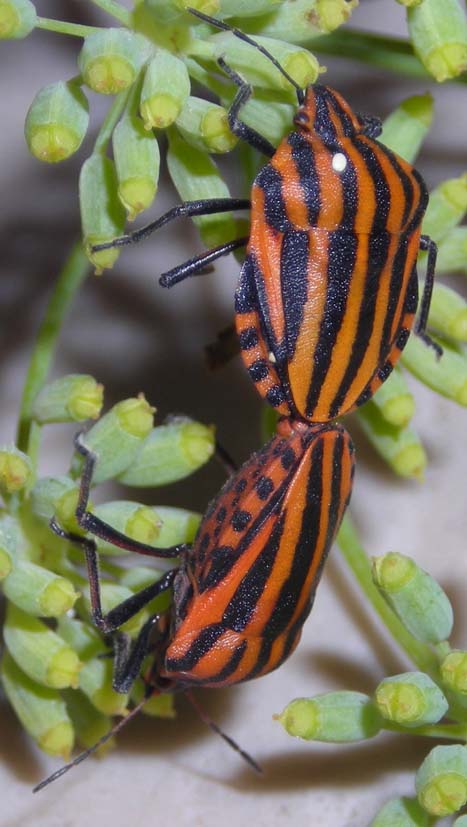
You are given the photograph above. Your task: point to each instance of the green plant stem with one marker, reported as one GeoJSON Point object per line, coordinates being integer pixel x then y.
{"type": "Point", "coordinates": [356, 558]}
{"type": "Point", "coordinates": [73, 274]}
{"type": "Point", "coordinates": [392, 53]}
{"type": "Point", "coordinates": [110, 121]}
{"type": "Point", "coordinates": [63, 27]}
{"type": "Point", "coordinates": [115, 10]}
{"type": "Point", "coordinates": [452, 732]}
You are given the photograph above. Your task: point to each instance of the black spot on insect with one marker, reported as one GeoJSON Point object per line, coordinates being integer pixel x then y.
{"type": "Point", "coordinates": [264, 487]}
{"type": "Point", "coordinates": [287, 458]}
{"type": "Point", "coordinates": [241, 485]}
{"type": "Point", "coordinates": [220, 516]}
{"type": "Point", "coordinates": [275, 396]}
{"type": "Point", "coordinates": [240, 520]}
{"type": "Point", "coordinates": [402, 338]}
{"type": "Point", "coordinates": [258, 370]}
{"type": "Point", "coordinates": [248, 338]}
{"type": "Point", "coordinates": [205, 540]}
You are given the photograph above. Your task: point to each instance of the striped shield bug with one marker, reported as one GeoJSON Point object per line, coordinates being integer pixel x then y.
{"type": "Point", "coordinates": [245, 587]}
{"type": "Point", "coordinates": [328, 291]}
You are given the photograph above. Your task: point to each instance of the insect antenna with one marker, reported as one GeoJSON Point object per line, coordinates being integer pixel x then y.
{"type": "Point", "coordinates": [215, 728]}
{"type": "Point", "coordinates": [83, 755]}
{"type": "Point", "coordinates": [219, 24]}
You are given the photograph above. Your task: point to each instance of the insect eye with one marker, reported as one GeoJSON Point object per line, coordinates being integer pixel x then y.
{"type": "Point", "coordinates": [339, 162]}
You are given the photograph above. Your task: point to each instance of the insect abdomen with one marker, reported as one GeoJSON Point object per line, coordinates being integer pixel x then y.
{"type": "Point", "coordinates": [254, 583]}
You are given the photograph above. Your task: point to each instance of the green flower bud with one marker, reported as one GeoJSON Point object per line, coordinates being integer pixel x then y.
{"type": "Point", "coordinates": [448, 313]}
{"type": "Point", "coordinates": [395, 401]}
{"type": "Point", "coordinates": [177, 526]}
{"type": "Point", "coordinates": [441, 781]}
{"type": "Point", "coordinates": [411, 699]}
{"type": "Point", "coordinates": [399, 447]}
{"type": "Point", "coordinates": [136, 521]}
{"type": "Point", "coordinates": [401, 812]}
{"type": "Point", "coordinates": [110, 59]}
{"type": "Point", "coordinates": [301, 65]}
{"type": "Point", "coordinates": [157, 706]}
{"type": "Point", "coordinates": [407, 126]}
{"type": "Point", "coordinates": [11, 541]}
{"type": "Point", "coordinates": [170, 453]}
{"type": "Point", "coordinates": [166, 87]}
{"type": "Point", "coordinates": [246, 8]}
{"type": "Point", "coordinates": [41, 711]}
{"type": "Point", "coordinates": [196, 176]}
{"type": "Point", "coordinates": [446, 207]}
{"type": "Point", "coordinates": [415, 596]}
{"type": "Point", "coordinates": [438, 30]}
{"type": "Point", "coordinates": [137, 160]}
{"type": "Point", "coordinates": [71, 398]}
{"type": "Point", "coordinates": [447, 375]}
{"type": "Point", "coordinates": [335, 717]}
{"type": "Point", "coordinates": [204, 125]}
{"type": "Point", "coordinates": [116, 437]}
{"type": "Point", "coordinates": [89, 724]}
{"type": "Point", "coordinates": [56, 496]}
{"type": "Point", "coordinates": [38, 651]}
{"type": "Point", "coordinates": [83, 638]}
{"type": "Point", "coordinates": [57, 122]}
{"type": "Point", "coordinates": [102, 215]}
{"type": "Point", "coordinates": [38, 591]}
{"type": "Point", "coordinates": [95, 680]}
{"type": "Point", "coordinates": [162, 11]}
{"type": "Point", "coordinates": [454, 671]}
{"type": "Point", "coordinates": [15, 470]}
{"type": "Point", "coordinates": [17, 19]}
{"type": "Point", "coordinates": [301, 21]}
{"type": "Point", "coordinates": [452, 252]}
{"type": "Point", "coordinates": [460, 822]}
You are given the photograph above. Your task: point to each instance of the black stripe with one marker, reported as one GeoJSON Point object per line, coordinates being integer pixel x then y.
{"type": "Point", "coordinates": [345, 121]}
{"type": "Point", "coordinates": [248, 338]}
{"type": "Point", "coordinates": [294, 285]}
{"type": "Point", "coordinates": [322, 123]}
{"type": "Point", "coordinates": [291, 590]}
{"type": "Point", "coordinates": [342, 248]}
{"type": "Point", "coordinates": [395, 288]}
{"type": "Point", "coordinates": [239, 611]}
{"type": "Point", "coordinates": [203, 643]}
{"type": "Point", "coordinates": [270, 181]}
{"type": "Point", "coordinates": [246, 299]}
{"type": "Point", "coordinates": [303, 158]}
{"type": "Point", "coordinates": [231, 666]}
{"type": "Point", "coordinates": [407, 186]}
{"type": "Point", "coordinates": [382, 190]}
{"type": "Point", "coordinates": [377, 258]}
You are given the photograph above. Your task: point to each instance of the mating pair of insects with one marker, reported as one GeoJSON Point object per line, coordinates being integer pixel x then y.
{"type": "Point", "coordinates": [325, 303]}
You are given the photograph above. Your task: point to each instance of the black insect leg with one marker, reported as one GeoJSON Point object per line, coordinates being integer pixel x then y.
{"type": "Point", "coordinates": [238, 127]}
{"type": "Point", "coordinates": [128, 659]}
{"type": "Point", "coordinates": [426, 243]}
{"type": "Point", "coordinates": [197, 265]}
{"type": "Point", "coordinates": [89, 522]}
{"type": "Point", "coordinates": [208, 206]}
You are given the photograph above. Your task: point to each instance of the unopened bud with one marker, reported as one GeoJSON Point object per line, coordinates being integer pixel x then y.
{"type": "Point", "coordinates": [205, 125]}
{"type": "Point", "coordinates": [415, 596]}
{"type": "Point", "coordinates": [438, 30]}
{"type": "Point", "coordinates": [406, 127]}
{"type": "Point", "coordinates": [336, 717]}
{"type": "Point", "coordinates": [110, 59]}
{"type": "Point", "coordinates": [102, 215]}
{"type": "Point", "coordinates": [137, 160]}
{"type": "Point", "coordinates": [401, 448]}
{"type": "Point", "coordinates": [441, 781]}
{"type": "Point", "coordinates": [447, 375]}
{"type": "Point", "coordinates": [72, 398]}
{"type": "Point", "coordinates": [401, 812]}
{"type": "Point", "coordinates": [15, 470]}
{"type": "Point", "coordinates": [17, 19]}
{"type": "Point", "coordinates": [170, 452]}
{"type": "Point", "coordinates": [454, 671]}
{"type": "Point", "coordinates": [38, 591]}
{"type": "Point", "coordinates": [166, 87]}
{"type": "Point", "coordinates": [411, 699]}
{"type": "Point", "coordinates": [57, 122]}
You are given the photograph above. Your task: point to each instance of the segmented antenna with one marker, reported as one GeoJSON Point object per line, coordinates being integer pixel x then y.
{"type": "Point", "coordinates": [219, 24]}
{"type": "Point", "coordinates": [215, 728]}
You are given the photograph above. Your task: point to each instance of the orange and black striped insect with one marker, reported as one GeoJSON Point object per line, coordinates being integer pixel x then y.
{"type": "Point", "coordinates": [244, 589]}
{"type": "Point", "coordinates": [329, 290]}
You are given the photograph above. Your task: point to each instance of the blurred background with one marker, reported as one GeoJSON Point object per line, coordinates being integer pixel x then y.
{"type": "Point", "coordinates": [133, 336]}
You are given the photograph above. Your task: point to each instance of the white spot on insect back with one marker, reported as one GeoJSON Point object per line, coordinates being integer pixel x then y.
{"type": "Point", "coordinates": [272, 358]}
{"type": "Point", "coordinates": [339, 162]}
